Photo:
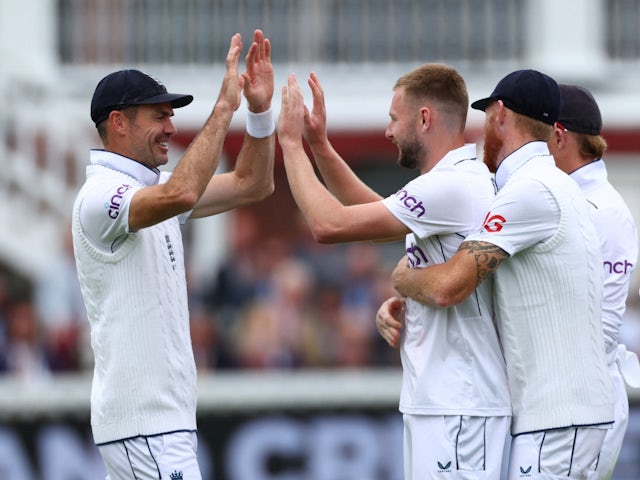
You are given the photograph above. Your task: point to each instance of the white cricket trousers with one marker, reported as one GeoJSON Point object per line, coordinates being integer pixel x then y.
{"type": "Point", "coordinates": [454, 447]}
{"type": "Point", "coordinates": [605, 464]}
{"type": "Point", "coordinates": [565, 453]}
{"type": "Point", "coordinates": [171, 456]}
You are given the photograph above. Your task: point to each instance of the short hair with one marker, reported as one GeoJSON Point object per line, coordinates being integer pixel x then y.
{"type": "Point", "coordinates": [130, 112]}
{"type": "Point", "coordinates": [537, 129]}
{"type": "Point", "coordinates": [590, 146]}
{"type": "Point", "coordinates": [442, 85]}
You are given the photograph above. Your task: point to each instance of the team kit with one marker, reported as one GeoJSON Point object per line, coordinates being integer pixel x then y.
{"type": "Point", "coordinates": [507, 304]}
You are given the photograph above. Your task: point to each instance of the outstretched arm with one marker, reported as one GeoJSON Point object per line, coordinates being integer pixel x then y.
{"type": "Point", "coordinates": [252, 178]}
{"type": "Point", "coordinates": [451, 282]}
{"type": "Point", "coordinates": [329, 220]}
{"type": "Point", "coordinates": [152, 205]}
{"type": "Point", "coordinates": [337, 175]}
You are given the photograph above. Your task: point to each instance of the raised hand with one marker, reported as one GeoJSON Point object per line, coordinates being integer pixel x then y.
{"type": "Point", "coordinates": [232, 84]}
{"type": "Point", "coordinates": [258, 79]}
{"type": "Point", "coordinates": [315, 122]}
{"type": "Point", "coordinates": [290, 121]}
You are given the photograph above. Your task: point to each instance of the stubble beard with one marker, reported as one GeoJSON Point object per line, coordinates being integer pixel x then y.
{"type": "Point", "coordinates": [408, 154]}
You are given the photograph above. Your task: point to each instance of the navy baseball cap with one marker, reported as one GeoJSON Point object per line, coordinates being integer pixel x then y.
{"type": "Point", "coordinates": [580, 112]}
{"type": "Point", "coordinates": [131, 87]}
{"type": "Point", "coordinates": [529, 93]}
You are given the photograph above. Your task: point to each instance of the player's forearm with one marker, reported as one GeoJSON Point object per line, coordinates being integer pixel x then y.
{"type": "Point", "coordinates": [201, 159]}
{"type": "Point", "coordinates": [442, 285]}
{"type": "Point", "coordinates": [315, 202]}
{"type": "Point", "coordinates": [339, 177]}
{"type": "Point", "coordinates": [254, 168]}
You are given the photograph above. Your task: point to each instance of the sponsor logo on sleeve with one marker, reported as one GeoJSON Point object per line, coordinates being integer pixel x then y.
{"type": "Point", "coordinates": [412, 203]}
{"type": "Point", "coordinates": [622, 267]}
{"type": "Point", "coordinates": [114, 203]}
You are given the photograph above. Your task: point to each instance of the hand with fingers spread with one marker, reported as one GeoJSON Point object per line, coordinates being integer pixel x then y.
{"type": "Point", "coordinates": [291, 119]}
{"type": "Point", "coordinates": [390, 320]}
{"type": "Point", "coordinates": [315, 121]}
{"type": "Point", "coordinates": [259, 79]}
{"type": "Point", "coordinates": [232, 84]}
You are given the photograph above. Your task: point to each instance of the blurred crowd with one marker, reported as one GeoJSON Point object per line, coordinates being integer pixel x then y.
{"type": "Point", "coordinates": [271, 303]}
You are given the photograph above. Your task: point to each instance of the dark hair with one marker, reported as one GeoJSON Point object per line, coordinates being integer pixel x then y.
{"type": "Point", "coordinates": [130, 112]}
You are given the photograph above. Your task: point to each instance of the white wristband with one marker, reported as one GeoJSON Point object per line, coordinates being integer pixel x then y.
{"type": "Point", "coordinates": [261, 125]}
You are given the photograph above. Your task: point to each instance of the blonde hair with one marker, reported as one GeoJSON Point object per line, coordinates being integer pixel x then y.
{"type": "Point", "coordinates": [537, 129]}
{"type": "Point", "coordinates": [591, 146]}
{"type": "Point", "coordinates": [443, 86]}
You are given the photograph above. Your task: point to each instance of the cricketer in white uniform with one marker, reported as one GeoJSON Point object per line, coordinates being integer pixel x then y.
{"type": "Point", "coordinates": [129, 255]}
{"type": "Point", "coordinates": [538, 241]}
{"type": "Point", "coordinates": [579, 154]}
{"type": "Point", "coordinates": [452, 363]}
{"type": "Point", "coordinates": [454, 398]}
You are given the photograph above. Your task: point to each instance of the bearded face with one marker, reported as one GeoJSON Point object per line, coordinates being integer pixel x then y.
{"type": "Point", "coordinates": [492, 142]}
{"type": "Point", "coordinates": [409, 150]}
{"type": "Point", "coordinates": [404, 123]}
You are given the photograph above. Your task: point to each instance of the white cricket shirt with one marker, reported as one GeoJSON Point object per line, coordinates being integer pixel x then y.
{"type": "Point", "coordinates": [618, 236]}
{"type": "Point", "coordinates": [134, 288]}
{"type": "Point", "coordinates": [548, 295]}
{"type": "Point", "coordinates": [452, 360]}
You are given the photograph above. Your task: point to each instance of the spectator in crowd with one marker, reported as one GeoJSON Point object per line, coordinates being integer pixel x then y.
{"type": "Point", "coordinates": [61, 311]}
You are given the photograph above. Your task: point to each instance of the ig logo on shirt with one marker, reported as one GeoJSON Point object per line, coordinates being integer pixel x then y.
{"type": "Point", "coordinates": [493, 223]}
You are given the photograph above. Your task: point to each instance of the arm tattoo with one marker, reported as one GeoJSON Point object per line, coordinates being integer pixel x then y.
{"type": "Point", "coordinates": [488, 257]}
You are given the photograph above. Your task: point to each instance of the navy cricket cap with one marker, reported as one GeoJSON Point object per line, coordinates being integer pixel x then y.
{"type": "Point", "coordinates": [131, 87]}
{"type": "Point", "coordinates": [580, 112]}
{"type": "Point", "coordinates": [529, 93]}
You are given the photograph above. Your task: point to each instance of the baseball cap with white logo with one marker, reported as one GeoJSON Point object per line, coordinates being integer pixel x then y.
{"type": "Point", "coordinates": [529, 93]}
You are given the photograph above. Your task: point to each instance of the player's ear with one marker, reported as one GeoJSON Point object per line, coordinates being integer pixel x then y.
{"type": "Point", "coordinates": [425, 116]}
{"type": "Point", "coordinates": [117, 120]}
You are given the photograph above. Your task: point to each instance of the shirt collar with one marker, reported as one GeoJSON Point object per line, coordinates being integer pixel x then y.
{"type": "Point", "coordinates": [590, 175]}
{"type": "Point", "coordinates": [466, 152]}
{"type": "Point", "coordinates": [126, 165]}
{"type": "Point", "coordinates": [519, 157]}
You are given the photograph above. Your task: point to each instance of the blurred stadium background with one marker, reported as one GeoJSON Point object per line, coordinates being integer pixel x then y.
{"type": "Point", "coordinates": [295, 383]}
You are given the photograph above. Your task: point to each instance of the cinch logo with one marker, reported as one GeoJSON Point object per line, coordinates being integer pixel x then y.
{"type": "Point", "coordinates": [411, 202]}
{"type": "Point", "coordinates": [416, 256]}
{"type": "Point", "coordinates": [113, 205]}
{"type": "Point", "coordinates": [493, 223]}
{"type": "Point", "coordinates": [623, 266]}
{"type": "Point", "coordinates": [444, 468]}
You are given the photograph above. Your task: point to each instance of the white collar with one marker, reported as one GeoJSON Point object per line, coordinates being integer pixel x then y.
{"type": "Point", "coordinates": [466, 152]}
{"type": "Point", "coordinates": [590, 175]}
{"type": "Point", "coordinates": [519, 157]}
{"type": "Point", "coordinates": [142, 173]}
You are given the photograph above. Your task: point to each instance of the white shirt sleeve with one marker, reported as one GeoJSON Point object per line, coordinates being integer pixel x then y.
{"type": "Point", "coordinates": [104, 214]}
{"type": "Point", "coordinates": [523, 213]}
{"type": "Point", "coordinates": [431, 205]}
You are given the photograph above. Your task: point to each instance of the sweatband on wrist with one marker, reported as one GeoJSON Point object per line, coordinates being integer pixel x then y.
{"type": "Point", "coordinates": [261, 125]}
